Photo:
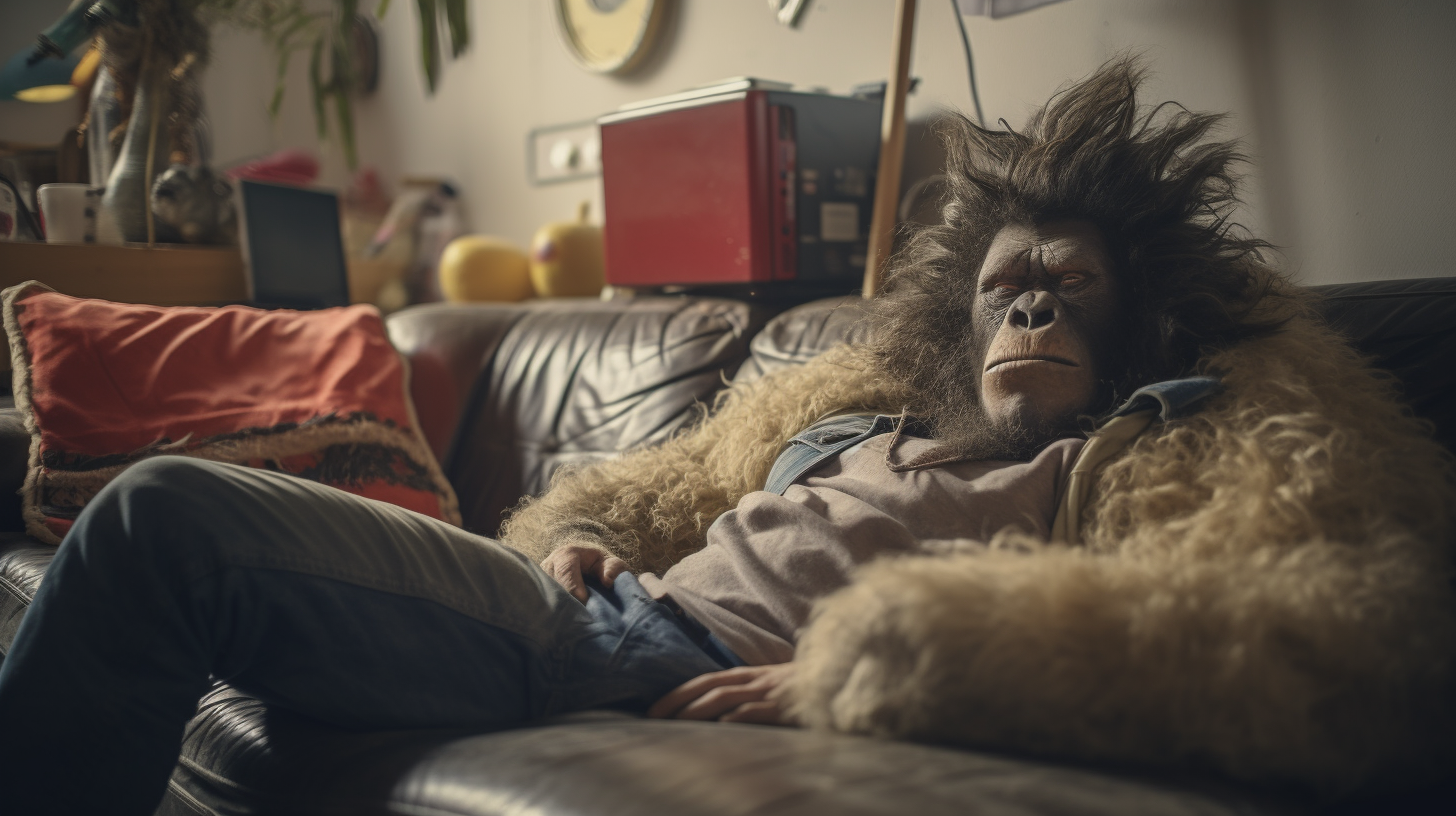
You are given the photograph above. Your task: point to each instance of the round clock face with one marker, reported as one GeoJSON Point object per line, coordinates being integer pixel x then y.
{"type": "Point", "coordinates": [609, 36]}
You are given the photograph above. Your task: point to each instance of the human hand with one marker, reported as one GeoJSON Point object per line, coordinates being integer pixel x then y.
{"type": "Point", "coordinates": [570, 564]}
{"type": "Point", "coordinates": [747, 694]}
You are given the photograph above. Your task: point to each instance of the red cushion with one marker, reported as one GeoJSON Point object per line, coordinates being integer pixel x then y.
{"type": "Point", "coordinates": [318, 394]}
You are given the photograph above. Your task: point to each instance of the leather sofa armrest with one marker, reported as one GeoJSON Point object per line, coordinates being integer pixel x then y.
{"type": "Point", "coordinates": [447, 347]}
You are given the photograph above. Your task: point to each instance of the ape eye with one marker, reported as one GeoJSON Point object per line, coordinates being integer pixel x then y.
{"type": "Point", "coordinates": [1073, 278]}
{"type": "Point", "coordinates": [1004, 288]}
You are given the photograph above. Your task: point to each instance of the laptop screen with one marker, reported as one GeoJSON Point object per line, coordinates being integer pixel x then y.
{"type": "Point", "coordinates": [292, 246]}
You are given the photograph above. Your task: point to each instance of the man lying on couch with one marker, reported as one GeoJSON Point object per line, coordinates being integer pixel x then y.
{"type": "Point", "coordinates": [1243, 571]}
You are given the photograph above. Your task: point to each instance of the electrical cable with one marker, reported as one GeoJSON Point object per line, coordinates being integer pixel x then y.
{"type": "Point", "coordinates": [970, 62]}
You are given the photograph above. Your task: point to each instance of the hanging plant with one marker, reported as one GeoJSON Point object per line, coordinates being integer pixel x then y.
{"type": "Point", "coordinates": [329, 36]}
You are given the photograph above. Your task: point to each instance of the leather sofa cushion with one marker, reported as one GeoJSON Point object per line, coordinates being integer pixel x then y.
{"type": "Point", "coordinates": [1407, 327]}
{"type": "Point", "coordinates": [23, 562]}
{"type": "Point", "coordinates": [804, 332]}
{"type": "Point", "coordinates": [585, 380]}
{"type": "Point", "coordinates": [603, 763]}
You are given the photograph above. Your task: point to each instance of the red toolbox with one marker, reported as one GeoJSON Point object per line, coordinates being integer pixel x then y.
{"type": "Point", "coordinates": [741, 182]}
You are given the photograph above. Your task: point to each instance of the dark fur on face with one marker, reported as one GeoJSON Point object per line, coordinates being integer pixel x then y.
{"type": "Point", "coordinates": [1160, 195]}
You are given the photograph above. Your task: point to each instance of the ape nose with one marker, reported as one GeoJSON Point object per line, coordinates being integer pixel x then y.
{"type": "Point", "coordinates": [1032, 311]}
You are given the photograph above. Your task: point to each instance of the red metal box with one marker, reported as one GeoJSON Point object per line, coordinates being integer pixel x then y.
{"type": "Point", "coordinates": [739, 183]}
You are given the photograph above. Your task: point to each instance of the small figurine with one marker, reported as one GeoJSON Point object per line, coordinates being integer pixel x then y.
{"type": "Point", "coordinates": [195, 206]}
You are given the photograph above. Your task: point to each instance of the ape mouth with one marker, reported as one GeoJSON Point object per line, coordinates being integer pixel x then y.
{"type": "Point", "coordinates": [1017, 362]}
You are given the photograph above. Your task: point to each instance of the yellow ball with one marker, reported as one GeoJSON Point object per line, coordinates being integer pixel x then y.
{"type": "Point", "coordinates": [567, 258]}
{"type": "Point", "coordinates": [478, 267]}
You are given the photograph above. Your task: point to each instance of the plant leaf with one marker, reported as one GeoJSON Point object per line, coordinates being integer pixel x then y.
{"type": "Point", "coordinates": [459, 26]}
{"type": "Point", "coordinates": [285, 56]}
{"type": "Point", "coordinates": [345, 110]}
{"type": "Point", "coordinates": [300, 21]}
{"type": "Point", "coordinates": [316, 83]}
{"type": "Point", "coordinates": [341, 47]}
{"type": "Point", "coordinates": [429, 41]}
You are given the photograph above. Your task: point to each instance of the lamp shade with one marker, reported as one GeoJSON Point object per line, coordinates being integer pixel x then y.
{"type": "Point", "coordinates": [48, 80]}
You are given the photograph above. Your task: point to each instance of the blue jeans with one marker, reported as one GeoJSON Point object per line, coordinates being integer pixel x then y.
{"type": "Point", "coordinates": [354, 612]}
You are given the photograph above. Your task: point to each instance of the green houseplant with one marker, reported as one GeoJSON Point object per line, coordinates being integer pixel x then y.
{"type": "Point", "coordinates": [328, 33]}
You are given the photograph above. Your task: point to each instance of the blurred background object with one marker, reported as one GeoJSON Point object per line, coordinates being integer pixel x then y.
{"type": "Point", "coordinates": [484, 268]}
{"type": "Point", "coordinates": [51, 80]}
{"type": "Point", "coordinates": [287, 166]}
{"type": "Point", "coordinates": [1340, 103]}
{"type": "Point", "coordinates": [195, 206]}
{"type": "Point", "coordinates": [423, 218]}
{"type": "Point", "coordinates": [567, 257]}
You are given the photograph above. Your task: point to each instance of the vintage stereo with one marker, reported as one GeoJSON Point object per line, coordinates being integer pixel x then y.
{"type": "Point", "coordinates": [745, 182]}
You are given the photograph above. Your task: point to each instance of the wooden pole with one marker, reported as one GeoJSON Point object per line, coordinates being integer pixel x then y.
{"type": "Point", "coordinates": [892, 151]}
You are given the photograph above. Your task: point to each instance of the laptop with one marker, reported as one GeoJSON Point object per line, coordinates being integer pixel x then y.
{"type": "Point", "coordinates": [293, 249]}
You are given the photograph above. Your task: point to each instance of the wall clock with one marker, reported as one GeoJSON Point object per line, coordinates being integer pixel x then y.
{"type": "Point", "coordinates": [609, 36]}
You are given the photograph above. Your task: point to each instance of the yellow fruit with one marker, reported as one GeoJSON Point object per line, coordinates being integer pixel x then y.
{"type": "Point", "coordinates": [567, 258]}
{"type": "Point", "coordinates": [478, 267]}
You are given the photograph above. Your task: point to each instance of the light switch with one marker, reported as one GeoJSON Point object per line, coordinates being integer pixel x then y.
{"type": "Point", "coordinates": [564, 152]}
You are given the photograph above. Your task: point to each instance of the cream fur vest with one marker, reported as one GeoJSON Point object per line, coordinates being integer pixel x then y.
{"type": "Point", "coordinates": [1264, 590]}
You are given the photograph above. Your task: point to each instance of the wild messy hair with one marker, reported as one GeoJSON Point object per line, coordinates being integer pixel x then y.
{"type": "Point", "coordinates": [1149, 179]}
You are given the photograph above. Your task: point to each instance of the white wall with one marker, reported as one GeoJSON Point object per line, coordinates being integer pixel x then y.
{"type": "Point", "coordinates": [1344, 104]}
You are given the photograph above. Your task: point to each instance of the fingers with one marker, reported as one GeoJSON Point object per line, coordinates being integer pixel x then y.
{"type": "Point", "coordinates": [680, 697]}
{"type": "Point", "coordinates": [763, 712]}
{"type": "Point", "coordinates": [607, 569]}
{"type": "Point", "coordinates": [570, 565]}
{"type": "Point", "coordinates": [565, 565]}
{"type": "Point", "coordinates": [744, 694]}
{"type": "Point", "coordinates": [569, 575]}
{"type": "Point", "coordinates": [721, 702]}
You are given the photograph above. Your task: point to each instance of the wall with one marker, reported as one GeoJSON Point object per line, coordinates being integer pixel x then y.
{"type": "Point", "coordinates": [20, 21]}
{"type": "Point", "coordinates": [1343, 104]}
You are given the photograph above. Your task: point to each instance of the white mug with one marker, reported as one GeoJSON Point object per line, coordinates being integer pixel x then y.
{"type": "Point", "coordinates": [68, 212]}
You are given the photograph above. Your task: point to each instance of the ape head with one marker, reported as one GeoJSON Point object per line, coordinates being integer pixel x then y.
{"type": "Point", "coordinates": [1077, 260]}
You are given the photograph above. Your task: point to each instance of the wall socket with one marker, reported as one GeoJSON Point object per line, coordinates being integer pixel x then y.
{"type": "Point", "coordinates": [564, 152]}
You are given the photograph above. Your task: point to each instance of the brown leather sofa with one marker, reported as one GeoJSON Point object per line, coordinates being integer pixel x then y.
{"type": "Point", "coordinates": [506, 395]}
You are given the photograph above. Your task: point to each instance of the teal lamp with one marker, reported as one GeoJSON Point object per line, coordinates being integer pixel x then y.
{"type": "Point", "coordinates": [46, 81]}
{"type": "Point", "coordinates": [49, 72]}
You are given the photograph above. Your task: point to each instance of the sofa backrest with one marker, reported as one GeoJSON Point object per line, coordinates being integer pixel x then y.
{"type": "Point", "coordinates": [1406, 327]}
{"type": "Point", "coordinates": [526, 390]}
{"type": "Point", "coordinates": [509, 394]}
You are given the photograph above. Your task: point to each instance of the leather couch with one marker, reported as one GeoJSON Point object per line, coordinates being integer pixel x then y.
{"type": "Point", "coordinates": [507, 394]}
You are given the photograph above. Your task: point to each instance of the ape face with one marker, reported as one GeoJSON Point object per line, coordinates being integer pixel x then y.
{"type": "Point", "coordinates": [1045, 297]}
{"type": "Point", "coordinates": [1004, 352]}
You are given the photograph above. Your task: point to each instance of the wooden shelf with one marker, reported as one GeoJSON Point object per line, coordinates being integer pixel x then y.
{"type": "Point", "coordinates": [162, 276]}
